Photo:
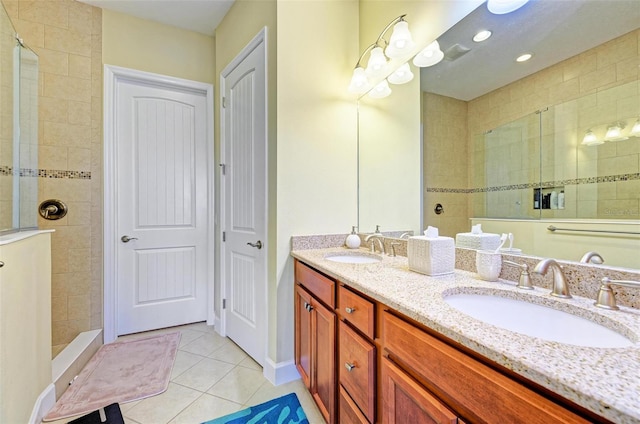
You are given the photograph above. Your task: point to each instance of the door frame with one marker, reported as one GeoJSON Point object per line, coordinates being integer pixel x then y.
{"type": "Point", "coordinates": [113, 75]}
{"type": "Point", "coordinates": [260, 38]}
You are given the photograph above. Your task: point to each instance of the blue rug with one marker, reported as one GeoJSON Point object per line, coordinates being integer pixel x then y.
{"type": "Point", "coordinates": [282, 410]}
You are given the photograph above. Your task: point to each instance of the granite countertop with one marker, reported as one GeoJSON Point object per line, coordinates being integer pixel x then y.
{"type": "Point", "coordinates": [603, 380]}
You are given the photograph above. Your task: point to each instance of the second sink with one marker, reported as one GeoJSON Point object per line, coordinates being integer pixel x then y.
{"type": "Point", "coordinates": [354, 258]}
{"type": "Point", "coordinates": [537, 321]}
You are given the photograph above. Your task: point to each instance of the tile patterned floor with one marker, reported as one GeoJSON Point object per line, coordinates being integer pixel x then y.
{"type": "Point", "coordinates": [211, 377]}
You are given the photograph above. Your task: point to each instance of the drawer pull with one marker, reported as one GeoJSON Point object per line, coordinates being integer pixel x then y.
{"type": "Point", "coordinates": [349, 366]}
{"type": "Point", "coordinates": [350, 310]}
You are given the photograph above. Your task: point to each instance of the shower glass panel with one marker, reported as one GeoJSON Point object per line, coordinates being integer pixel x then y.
{"type": "Point", "coordinates": [18, 131]}
{"type": "Point", "coordinates": [507, 169]}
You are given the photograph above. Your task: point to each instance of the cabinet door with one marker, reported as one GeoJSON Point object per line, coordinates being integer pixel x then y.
{"type": "Point", "coordinates": [324, 381]}
{"type": "Point", "coordinates": [405, 401]}
{"type": "Point", "coordinates": [303, 330]}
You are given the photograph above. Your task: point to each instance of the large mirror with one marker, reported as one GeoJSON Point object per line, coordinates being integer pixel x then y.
{"type": "Point", "coordinates": [472, 105]}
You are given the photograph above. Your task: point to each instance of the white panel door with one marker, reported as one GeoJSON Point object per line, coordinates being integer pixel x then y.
{"type": "Point", "coordinates": [244, 156]}
{"type": "Point", "coordinates": [162, 197]}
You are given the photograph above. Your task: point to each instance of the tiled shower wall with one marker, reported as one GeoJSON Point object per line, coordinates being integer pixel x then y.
{"type": "Point", "coordinates": [67, 36]}
{"type": "Point", "coordinates": [445, 159]}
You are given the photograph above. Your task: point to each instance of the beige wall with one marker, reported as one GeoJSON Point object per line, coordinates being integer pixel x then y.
{"type": "Point", "coordinates": [67, 36]}
{"type": "Point", "coordinates": [148, 46]}
{"type": "Point", "coordinates": [316, 150]}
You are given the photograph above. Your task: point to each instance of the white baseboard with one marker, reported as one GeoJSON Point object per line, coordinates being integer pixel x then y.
{"type": "Point", "coordinates": [280, 373]}
{"type": "Point", "coordinates": [43, 404]}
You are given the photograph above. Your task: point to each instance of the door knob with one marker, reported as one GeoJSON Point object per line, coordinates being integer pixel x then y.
{"type": "Point", "coordinates": [257, 244]}
{"type": "Point", "coordinates": [127, 239]}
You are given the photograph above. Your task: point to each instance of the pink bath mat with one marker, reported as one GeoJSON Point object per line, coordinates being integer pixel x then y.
{"type": "Point", "coordinates": [120, 372]}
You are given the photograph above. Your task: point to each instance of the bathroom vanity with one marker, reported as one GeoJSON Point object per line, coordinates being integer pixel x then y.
{"type": "Point", "coordinates": [376, 342]}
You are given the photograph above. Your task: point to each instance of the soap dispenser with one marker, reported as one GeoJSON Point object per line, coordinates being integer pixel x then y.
{"type": "Point", "coordinates": [353, 239]}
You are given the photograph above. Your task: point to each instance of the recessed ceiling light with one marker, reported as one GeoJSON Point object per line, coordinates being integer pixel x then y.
{"type": "Point", "coordinates": [524, 57]}
{"type": "Point", "coordinates": [482, 35]}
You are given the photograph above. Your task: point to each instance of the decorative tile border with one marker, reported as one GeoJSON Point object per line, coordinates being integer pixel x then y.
{"type": "Point", "coordinates": [47, 173]}
{"type": "Point", "coordinates": [545, 184]}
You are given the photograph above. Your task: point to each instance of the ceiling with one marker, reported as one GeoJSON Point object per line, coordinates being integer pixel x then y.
{"type": "Point", "coordinates": [201, 16]}
{"type": "Point", "coordinates": [552, 30]}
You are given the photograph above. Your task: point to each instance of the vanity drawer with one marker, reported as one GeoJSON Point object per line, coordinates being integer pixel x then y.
{"type": "Point", "coordinates": [357, 364]}
{"type": "Point", "coordinates": [349, 411]}
{"type": "Point", "coordinates": [357, 310]}
{"type": "Point", "coordinates": [473, 389]}
{"type": "Point", "coordinates": [322, 287]}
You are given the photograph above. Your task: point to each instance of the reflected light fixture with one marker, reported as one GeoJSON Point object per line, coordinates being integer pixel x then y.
{"type": "Point", "coordinates": [635, 130]}
{"type": "Point", "coordinates": [429, 56]}
{"type": "Point", "coordinates": [482, 36]}
{"type": "Point", "coordinates": [524, 57]}
{"type": "Point", "coordinates": [380, 91]}
{"type": "Point", "coordinates": [401, 75]}
{"type": "Point", "coordinates": [501, 7]}
{"type": "Point", "coordinates": [614, 132]}
{"type": "Point", "coordinates": [590, 139]}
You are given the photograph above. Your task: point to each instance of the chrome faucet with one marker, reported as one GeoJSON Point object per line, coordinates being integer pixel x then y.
{"type": "Point", "coordinates": [592, 257]}
{"type": "Point", "coordinates": [606, 299]}
{"type": "Point", "coordinates": [560, 288]}
{"type": "Point", "coordinates": [375, 237]}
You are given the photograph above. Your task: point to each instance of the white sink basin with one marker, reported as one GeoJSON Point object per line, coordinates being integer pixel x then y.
{"type": "Point", "coordinates": [537, 321]}
{"type": "Point", "coordinates": [353, 258]}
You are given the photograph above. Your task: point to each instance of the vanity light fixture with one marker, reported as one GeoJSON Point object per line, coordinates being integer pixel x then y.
{"type": "Point", "coordinates": [359, 82]}
{"type": "Point", "coordinates": [590, 139]}
{"type": "Point", "coordinates": [380, 91]}
{"type": "Point", "coordinates": [524, 57]}
{"type": "Point", "coordinates": [614, 132]}
{"type": "Point", "coordinates": [377, 65]}
{"type": "Point", "coordinates": [401, 75]}
{"type": "Point", "coordinates": [501, 7]}
{"type": "Point", "coordinates": [635, 130]}
{"type": "Point", "coordinates": [400, 44]}
{"type": "Point", "coordinates": [429, 56]}
{"type": "Point", "coordinates": [482, 36]}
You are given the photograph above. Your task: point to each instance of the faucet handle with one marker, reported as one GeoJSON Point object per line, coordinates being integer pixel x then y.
{"type": "Point", "coordinates": [606, 298]}
{"type": "Point", "coordinates": [525, 279]}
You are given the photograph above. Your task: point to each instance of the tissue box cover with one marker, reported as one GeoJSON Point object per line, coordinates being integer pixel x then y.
{"type": "Point", "coordinates": [484, 241]}
{"type": "Point", "coordinates": [431, 256]}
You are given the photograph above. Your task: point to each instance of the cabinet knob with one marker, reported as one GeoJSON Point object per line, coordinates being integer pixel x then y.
{"type": "Point", "coordinates": [349, 366]}
{"type": "Point", "coordinates": [350, 310]}
{"type": "Point", "coordinates": [1, 264]}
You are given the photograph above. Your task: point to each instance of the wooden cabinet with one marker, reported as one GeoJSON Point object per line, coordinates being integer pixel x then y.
{"type": "Point", "coordinates": [315, 338]}
{"type": "Point", "coordinates": [406, 401]}
{"type": "Point", "coordinates": [376, 365]}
